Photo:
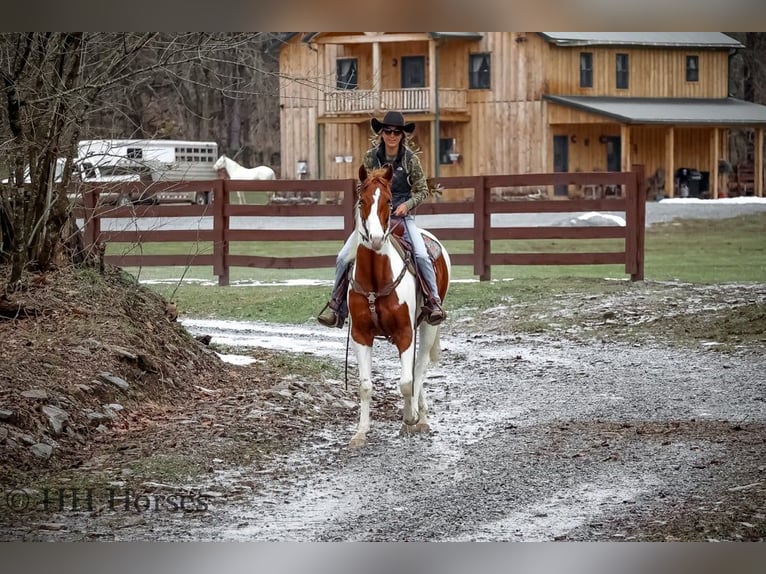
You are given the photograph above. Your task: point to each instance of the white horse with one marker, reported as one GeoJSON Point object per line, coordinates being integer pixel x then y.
{"type": "Point", "coordinates": [236, 171]}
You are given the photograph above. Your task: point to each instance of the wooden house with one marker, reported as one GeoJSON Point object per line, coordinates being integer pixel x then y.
{"type": "Point", "coordinates": [519, 102]}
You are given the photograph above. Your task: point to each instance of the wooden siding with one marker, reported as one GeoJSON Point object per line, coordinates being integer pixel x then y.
{"type": "Point", "coordinates": [653, 73]}
{"type": "Point", "coordinates": [505, 129]}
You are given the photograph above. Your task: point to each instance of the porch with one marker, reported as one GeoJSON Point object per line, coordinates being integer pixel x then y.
{"type": "Point", "coordinates": [407, 100]}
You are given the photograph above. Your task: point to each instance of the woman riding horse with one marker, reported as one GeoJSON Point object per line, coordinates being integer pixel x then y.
{"type": "Point", "coordinates": [409, 190]}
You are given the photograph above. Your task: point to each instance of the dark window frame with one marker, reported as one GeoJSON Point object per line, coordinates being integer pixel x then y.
{"type": "Point", "coordinates": [692, 68]}
{"type": "Point", "coordinates": [622, 71]}
{"type": "Point", "coordinates": [408, 66]}
{"type": "Point", "coordinates": [347, 73]}
{"type": "Point", "coordinates": [480, 71]}
{"type": "Point", "coordinates": [586, 69]}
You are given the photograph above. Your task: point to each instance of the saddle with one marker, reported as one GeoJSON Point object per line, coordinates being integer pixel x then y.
{"type": "Point", "coordinates": [404, 248]}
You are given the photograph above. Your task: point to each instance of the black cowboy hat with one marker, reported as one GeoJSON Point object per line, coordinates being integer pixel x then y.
{"type": "Point", "coordinates": [394, 120]}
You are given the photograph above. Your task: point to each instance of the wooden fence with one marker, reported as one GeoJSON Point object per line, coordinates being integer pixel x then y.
{"type": "Point", "coordinates": [631, 201]}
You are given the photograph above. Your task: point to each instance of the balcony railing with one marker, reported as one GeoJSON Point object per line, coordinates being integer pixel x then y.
{"type": "Point", "coordinates": [405, 100]}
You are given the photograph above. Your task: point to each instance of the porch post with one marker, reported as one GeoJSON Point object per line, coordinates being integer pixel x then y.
{"type": "Point", "coordinates": [670, 176]}
{"type": "Point", "coordinates": [376, 75]}
{"type": "Point", "coordinates": [758, 159]}
{"type": "Point", "coordinates": [714, 159]}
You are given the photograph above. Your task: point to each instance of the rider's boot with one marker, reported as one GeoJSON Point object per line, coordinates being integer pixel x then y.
{"type": "Point", "coordinates": [432, 303]}
{"type": "Point", "coordinates": [334, 313]}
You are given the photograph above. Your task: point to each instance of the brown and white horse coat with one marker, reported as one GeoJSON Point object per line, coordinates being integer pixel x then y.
{"type": "Point", "coordinates": [384, 301]}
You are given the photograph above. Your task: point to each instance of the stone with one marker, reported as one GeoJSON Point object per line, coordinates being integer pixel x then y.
{"type": "Point", "coordinates": [41, 450]}
{"type": "Point", "coordinates": [56, 417]}
{"type": "Point", "coordinates": [38, 394]}
{"type": "Point", "coordinates": [121, 384]}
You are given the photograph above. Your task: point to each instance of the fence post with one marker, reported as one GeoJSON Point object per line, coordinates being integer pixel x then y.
{"type": "Point", "coordinates": [349, 199]}
{"type": "Point", "coordinates": [220, 233]}
{"type": "Point", "coordinates": [481, 222]}
{"type": "Point", "coordinates": [92, 221]}
{"type": "Point", "coordinates": [640, 208]}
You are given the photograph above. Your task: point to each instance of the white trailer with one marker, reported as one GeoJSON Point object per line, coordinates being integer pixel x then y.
{"type": "Point", "coordinates": [118, 160]}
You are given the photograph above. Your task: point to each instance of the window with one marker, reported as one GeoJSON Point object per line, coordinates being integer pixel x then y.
{"type": "Point", "coordinates": [479, 72]}
{"type": "Point", "coordinates": [586, 69]}
{"type": "Point", "coordinates": [692, 68]}
{"type": "Point", "coordinates": [447, 153]}
{"type": "Point", "coordinates": [622, 71]}
{"type": "Point", "coordinates": [347, 74]}
{"type": "Point", "coordinates": [201, 155]}
{"type": "Point", "coordinates": [413, 72]}
{"type": "Point", "coordinates": [134, 153]}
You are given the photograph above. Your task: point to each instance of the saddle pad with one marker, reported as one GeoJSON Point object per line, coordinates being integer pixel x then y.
{"type": "Point", "coordinates": [433, 247]}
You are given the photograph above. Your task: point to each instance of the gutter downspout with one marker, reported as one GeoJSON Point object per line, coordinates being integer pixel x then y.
{"type": "Point", "coordinates": [437, 159]}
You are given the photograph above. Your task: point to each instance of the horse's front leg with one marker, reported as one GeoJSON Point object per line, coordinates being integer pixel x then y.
{"type": "Point", "coordinates": [364, 360]}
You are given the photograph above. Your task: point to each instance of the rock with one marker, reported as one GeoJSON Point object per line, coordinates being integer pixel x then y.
{"type": "Point", "coordinates": [95, 418]}
{"type": "Point", "coordinates": [3, 434]}
{"type": "Point", "coordinates": [56, 417]}
{"type": "Point", "coordinates": [27, 438]}
{"type": "Point", "coordinates": [52, 526]}
{"type": "Point", "coordinates": [41, 450]}
{"type": "Point", "coordinates": [121, 384]}
{"type": "Point", "coordinates": [204, 339]}
{"type": "Point", "coordinates": [7, 415]}
{"type": "Point", "coordinates": [304, 397]}
{"type": "Point", "coordinates": [121, 352]}
{"type": "Point", "coordinates": [38, 394]}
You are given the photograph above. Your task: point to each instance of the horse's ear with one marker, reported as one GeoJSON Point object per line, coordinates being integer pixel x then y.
{"type": "Point", "coordinates": [362, 173]}
{"type": "Point", "coordinates": [389, 172]}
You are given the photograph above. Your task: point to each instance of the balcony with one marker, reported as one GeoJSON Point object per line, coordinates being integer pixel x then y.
{"type": "Point", "coordinates": [408, 100]}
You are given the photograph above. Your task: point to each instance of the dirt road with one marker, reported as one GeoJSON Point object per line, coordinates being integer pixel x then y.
{"type": "Point", "coordinates": [606, 425]}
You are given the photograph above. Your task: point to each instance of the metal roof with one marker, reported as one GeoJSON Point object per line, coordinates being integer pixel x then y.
{"type": "Point", "coordinates": [724, 111]}
{"type": "Point", "coordinates": [660, 39]}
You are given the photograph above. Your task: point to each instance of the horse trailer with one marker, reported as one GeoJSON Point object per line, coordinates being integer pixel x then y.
{"type": "Point", "coordinates": [148, 161]}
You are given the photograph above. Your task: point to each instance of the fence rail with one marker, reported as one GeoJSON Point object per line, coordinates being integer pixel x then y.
{"type": "Point", "coordinates": [482, 207]}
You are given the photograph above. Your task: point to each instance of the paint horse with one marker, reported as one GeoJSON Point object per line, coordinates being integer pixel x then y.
{"type": "Point", "coordinates": [384, 300]}
{"type": "Point", "coordinates": [236, 171]}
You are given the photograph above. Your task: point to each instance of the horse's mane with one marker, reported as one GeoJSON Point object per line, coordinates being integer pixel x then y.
{"type": "Point", "coordinates": [377, 175]}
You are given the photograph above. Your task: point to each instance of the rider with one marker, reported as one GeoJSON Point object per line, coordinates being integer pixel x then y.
{"type": "Point", "coordinates": [408, 190]}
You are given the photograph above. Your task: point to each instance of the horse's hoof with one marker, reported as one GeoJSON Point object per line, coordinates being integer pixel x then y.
{"type": "Point", "coordinates": [411, 422]}
{"type": "Point", "coordinates": [406, 430]}
{"type": "Point", "coordinates": [358, 441]}
{"type": "Point", "coordinates": [422, 428]}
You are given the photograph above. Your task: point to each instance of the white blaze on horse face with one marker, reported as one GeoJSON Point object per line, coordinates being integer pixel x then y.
{"type": "Point", "coordinates": [374, 225]}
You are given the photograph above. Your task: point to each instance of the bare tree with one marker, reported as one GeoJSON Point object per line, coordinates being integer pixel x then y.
{"type": "Point", "coordinates": [57, 85]}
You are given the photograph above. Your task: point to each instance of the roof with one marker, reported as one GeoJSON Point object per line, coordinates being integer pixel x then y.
{"type": "Point", "coordinates": [659, 39]}
{"type": "Point", "coordinates": [282, 38]}
{"type": "Point", "coordinates": [723, 111]}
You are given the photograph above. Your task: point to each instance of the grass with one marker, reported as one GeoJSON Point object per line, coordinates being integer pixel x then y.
{"type": "Point", "coordinates": [695, 251]}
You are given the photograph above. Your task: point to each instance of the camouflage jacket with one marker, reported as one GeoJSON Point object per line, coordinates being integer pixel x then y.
{"type": "Point", "coordinates": [409, 184]}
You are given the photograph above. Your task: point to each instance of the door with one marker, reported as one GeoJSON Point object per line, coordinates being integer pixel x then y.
{"type": "Point", "coordinates": [560, 161]}
{"type": "Point", "coordinates": [613, 153]}
{"type": "Point", "coordinates": [413, 72]}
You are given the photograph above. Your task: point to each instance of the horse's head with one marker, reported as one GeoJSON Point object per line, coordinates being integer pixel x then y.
{"type": "Point", "coordinates": [374, 205]}
{"type": "Point", "coordinates": [220, 163]}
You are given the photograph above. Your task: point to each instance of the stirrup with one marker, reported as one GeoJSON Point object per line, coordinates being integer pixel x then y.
{"type": "Point", "coordinates": [331, 319]}
{"type": "Point", "coordinates": [434, 313]}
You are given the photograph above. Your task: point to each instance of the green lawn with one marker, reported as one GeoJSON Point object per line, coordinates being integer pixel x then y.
{"type": "Point", "coordinates": [709, 251]}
